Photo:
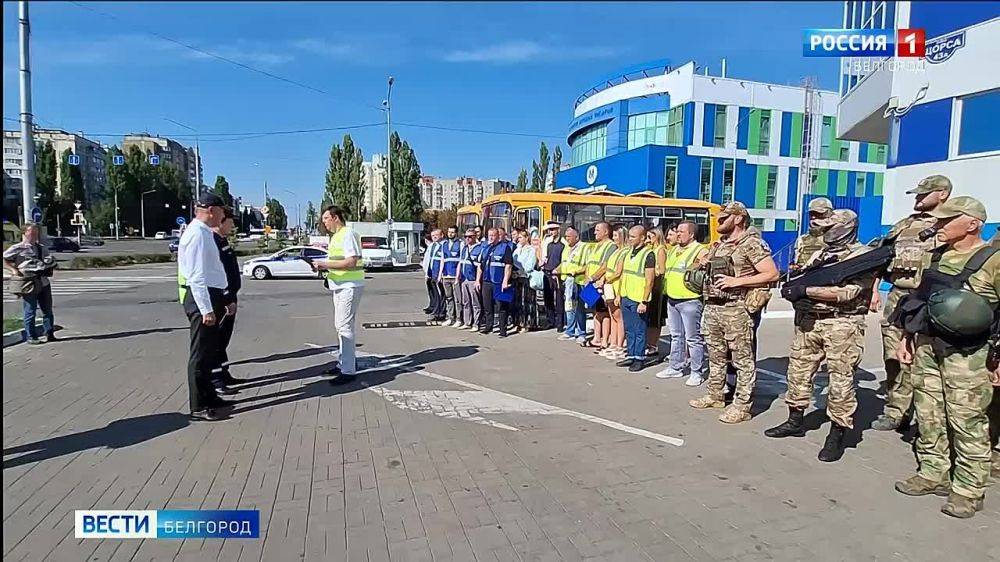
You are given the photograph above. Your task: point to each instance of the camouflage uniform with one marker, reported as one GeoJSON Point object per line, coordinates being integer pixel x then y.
{"type": "Point", "coordinates": [993, 413]}
{"type": "Point", "coordinates": [811, 242]}
{"type": "Point", "coordinates": [911, 255]}
{"type": "Point", "coordinates": [836, 332]}
{"type": "Point", "coordinates": [951, 392]}
{"type": "Point", "coordinates": [728, 328]}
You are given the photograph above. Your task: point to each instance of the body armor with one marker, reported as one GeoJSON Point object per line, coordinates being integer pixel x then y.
{"type": "Point", "coordinates": [807, 245]}
{"type": "Point", "coordinates": [910, 251]}
{"type": "Point", "coordinates": [857, 305]}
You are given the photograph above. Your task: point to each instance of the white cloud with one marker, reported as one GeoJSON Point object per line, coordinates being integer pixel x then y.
{"type": "Point", "coordinates": [527, 50]}
{"type": "Point", "coordinates": [324, 48]}
{"type": "Point", "coordinates": [126, 48]}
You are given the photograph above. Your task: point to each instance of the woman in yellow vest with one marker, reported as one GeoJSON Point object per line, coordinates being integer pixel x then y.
{"type": "Point", "coordinates": [657, 243]}
{"type": "Point", "coordinates": [611, 291]}
{"type": "Point", "coordinates": [345, 277]}
{"type": "Point", "coordinates": [684, 308]}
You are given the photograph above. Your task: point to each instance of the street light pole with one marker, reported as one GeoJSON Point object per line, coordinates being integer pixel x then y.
{"type": "Point", "coordinates": [117, 224]}
{"type": "Point", "coordinates": [142, 211]}
{"type": "Point", "coordinates": [388, 159]}
{"type": "Point", "coordinates": [298, 215]}
{"type": "Point", "coordinates": [27, 127]}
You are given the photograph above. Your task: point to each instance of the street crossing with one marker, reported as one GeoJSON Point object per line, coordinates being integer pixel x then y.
{"type": "Point", "coordinates": [85, 285]}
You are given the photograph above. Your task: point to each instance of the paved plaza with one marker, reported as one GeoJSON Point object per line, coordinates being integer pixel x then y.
{"type": "Point", "coordinates": [452, 446]}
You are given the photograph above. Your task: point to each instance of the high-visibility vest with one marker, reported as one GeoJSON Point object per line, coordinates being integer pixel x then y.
{"type": "Point", "coordinates": [597, 256]}
{"type": "Point", "coordinates": [434, 267]}
{"type": "Point", "coordinates": [335, 251]}
{"type": "Point", "coordinates": [181, 285]}
{"type": "Point", "coordinates": [470, 257]}
{"type": "Point", "coordinates": [573, 262]}
{"type": "Point", "coordinates": [494, 263]}
{"type": "Point", "coordinates": [616, 257]}
{"type": "Point", "coordinates": [678, 260]}
{"type": "Point", "coordinates": [451, 252]}
{"type": "Point", "coordinates": [633, 285]}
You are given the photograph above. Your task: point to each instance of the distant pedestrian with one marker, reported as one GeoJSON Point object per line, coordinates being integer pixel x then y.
{"type": "Point", "coordinates": [31, 265]}
{"type": "Point", "coordinates": [345, 277]}
{"type": "Point", "coordinates": [200, 268]}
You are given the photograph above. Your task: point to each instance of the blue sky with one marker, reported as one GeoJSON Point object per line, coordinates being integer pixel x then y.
{"type": "Point", "coordinates": [502, 66]}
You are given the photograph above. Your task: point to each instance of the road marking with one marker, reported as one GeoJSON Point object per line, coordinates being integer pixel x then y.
{"type": "Point", "coordinates": [467, 406]}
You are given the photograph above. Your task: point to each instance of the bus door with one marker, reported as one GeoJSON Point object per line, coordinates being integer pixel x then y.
{"type": "Point", "coordinates": [529, 218]}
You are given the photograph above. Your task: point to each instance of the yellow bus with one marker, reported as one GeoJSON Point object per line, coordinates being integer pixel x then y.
{"type": "Point", "coordinates": [584, 211]}
{"type": "Point", "coordinates": [469, 216]}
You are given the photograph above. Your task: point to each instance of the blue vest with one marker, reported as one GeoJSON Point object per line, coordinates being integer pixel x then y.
{"type": "Point", "coordinates": [451, 254]}
{"type": "Point", "coordinates": [495, 264]}
{"type": "Point", "coordinates": [470, 257]}
{"type": "Point", "coordinates": [435, 265]}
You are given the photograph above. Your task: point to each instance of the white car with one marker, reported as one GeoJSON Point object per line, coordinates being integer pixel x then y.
{"type": "Point", "coordinates": [160, 235]}
{"type": "Point", "coordinates": [288, 262]}
{"type": "Point", "coordinates": [375, 252]}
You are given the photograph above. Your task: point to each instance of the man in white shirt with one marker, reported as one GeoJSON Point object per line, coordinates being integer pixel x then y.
{"type": "Point", "coordinates": [346, 278]}
{"type": "Point", "coordinates": [203, 280]}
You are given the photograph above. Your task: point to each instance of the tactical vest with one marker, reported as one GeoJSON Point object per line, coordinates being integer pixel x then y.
{"type": "Point", "coordinates": [596, 256]}
{"type": "Point", "coordinates": [633, 282]}
{"type": "Point", "coordinates": [807, 245]}
{"type": "Point", "coordinates": [911, 252]}
{"type": "Point", "coordinates": [911, 314]}
{"type": "Point", "coordinates": [335, 251]}
{"type": "Point", "coordinates": [857, 305]}
{"type": "Point", "coordinates": [720, 262]}
{"type": "Point", "coordinates": [678, 261]}
{"type": "Point", "coordinates": [451, 252]}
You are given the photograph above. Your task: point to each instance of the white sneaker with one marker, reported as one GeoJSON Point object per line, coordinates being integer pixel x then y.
{"type": "Point", "coordinates": [473, 328]}
{"type": "Point", "coordinates": [670, 373]}
{"type": "Point", "coordinates": [459, 325]}
{"type": "Point", "coordinates": [565, 337]}
{"type": "Point", "coordinates": [446, 323]}
{"type": "Point", "coordinates": [695, 379]}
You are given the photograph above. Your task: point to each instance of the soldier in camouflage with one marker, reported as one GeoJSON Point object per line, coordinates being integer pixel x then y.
{"type": "Point", "coordinates": [811, 242]}
{"type": "Point", "coordinates": [903, 273]}
{"type": "Point", "coordinates": [738, 270]}
{"type": "Point", "coordinates": [994, 410]}
{"type": "Point", "coordinates": [952, 384]}
{"type": "Point", "coordinates": [829, 324]}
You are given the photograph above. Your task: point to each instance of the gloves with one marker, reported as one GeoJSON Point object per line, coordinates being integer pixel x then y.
{"type": "Point", "coordinates": [793, 293]}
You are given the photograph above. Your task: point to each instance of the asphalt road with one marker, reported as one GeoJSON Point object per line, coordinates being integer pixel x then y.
{"type": "Point", "coordinates": [454, 446]}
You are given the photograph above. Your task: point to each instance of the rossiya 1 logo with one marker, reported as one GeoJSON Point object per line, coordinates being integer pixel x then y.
{"type": "Point", "coordinates": [942, 48]}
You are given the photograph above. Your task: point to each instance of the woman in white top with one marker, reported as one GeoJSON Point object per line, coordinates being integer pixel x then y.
{"type": "Point", "coordinates": [525, 261]}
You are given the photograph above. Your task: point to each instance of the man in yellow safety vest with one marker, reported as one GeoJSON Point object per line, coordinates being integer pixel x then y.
{"type": "Point", "coordinates": [684, 308]}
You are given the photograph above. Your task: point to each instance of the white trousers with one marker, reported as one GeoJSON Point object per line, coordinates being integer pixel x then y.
{"type": "Point", "coordinates": [345, 310]}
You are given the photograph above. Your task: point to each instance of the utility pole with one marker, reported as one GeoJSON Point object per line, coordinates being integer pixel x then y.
{"type": "Point", "coordinates": [142, 210]}
{"type": "Point", "coordinates": [388, 159]}
{"type": "Point", "coordinates": [27, 126]}
{"type": "Point", "coordinates": [811, 110]}
{"type": "Point", "coordinates": [117, 224]}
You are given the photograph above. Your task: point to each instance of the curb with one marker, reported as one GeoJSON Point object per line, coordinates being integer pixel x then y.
{"type": "Point", "coordinates": [18, 336]}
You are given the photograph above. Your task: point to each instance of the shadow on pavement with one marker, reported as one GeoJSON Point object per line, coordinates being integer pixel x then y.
{"type": "Point", "coordinates": [298, 353]}
{"type": "Point", "coordinates": [128, 334]}
{"type": "Point", "coordinates": [372, 376]}
{"type": "Point", "coordinates": [116, 435]}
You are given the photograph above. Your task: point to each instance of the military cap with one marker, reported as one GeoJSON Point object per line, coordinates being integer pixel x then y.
{"type": "Point", "coordinates": [734, 208]}
{"type": "Point", "coordinates": [961, 205]}
{"type": "Point", "coordinates": [931, 183]}
{"type": "Point", "coordinates": [820, 205]}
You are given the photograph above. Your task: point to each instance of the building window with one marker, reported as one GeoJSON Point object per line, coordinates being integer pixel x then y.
{"type": "Point", "coordinates": [771, 189]}
{"type": "Point", "coordinates": [706, 179]}
{"type": "Point", "coordinates": [649, 128]}
{"type": "Point", "coordinates": [727, 181]}
{"type": "Point", "coordinates": [720, 127]}
{"type": "Point", "coordinates": [826, 139]}
{"type": "Point", "coordinates": [675, 126]}
{"type": "Point", "coordinates": [845, 151]}
{"type": "Point", "coordinates": [757, 223]}
{"type": "Point", "coordinates": [764, 146]}
{"type": "Point", "coordinates": [590, 144]}
{"type": "Point", "coordinates": [979, 115]}
{"type": "Point", "coordinates": [859, 184]}
{"type": "Point", "coordinates": [670, 177]}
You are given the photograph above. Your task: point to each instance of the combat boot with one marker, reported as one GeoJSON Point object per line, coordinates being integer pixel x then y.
{"type": "Point", "coordinates": [792, 427]}
{"type": "Point", "coordinates": [833, 449]}
{"type": "Point", "coordinates": [919, 486]}
{"type": "Point", "coordinates": [961, 507]}
{"type": "Point", "coordinates": [707, 401]}
{"type": "Point", "coordinates": [886, 423]}
{"type": "Point", "coordinates": [734, 414]}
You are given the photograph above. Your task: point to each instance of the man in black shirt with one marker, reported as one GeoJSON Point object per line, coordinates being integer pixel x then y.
{"type": "Point", "coordinates": [223, 379]}
{"type": "Point", "coordinates": [552, 249]}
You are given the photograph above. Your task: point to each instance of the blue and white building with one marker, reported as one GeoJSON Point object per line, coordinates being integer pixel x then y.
{"type": "Point", "coordinates": [939, 117]}
{"type": "Point", "coordinates": [678, 132]}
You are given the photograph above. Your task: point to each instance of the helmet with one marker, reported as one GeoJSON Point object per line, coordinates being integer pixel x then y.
{"type": "Point", "coordinates": [694, 280]}
{"type": "Point", "coordinates": [959, 314]}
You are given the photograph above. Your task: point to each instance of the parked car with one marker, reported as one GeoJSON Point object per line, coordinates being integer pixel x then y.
{"type": "Point", "coordinates": [172, 246]}
{"type": "Point", "coordinates": [289, 262]}
{"type": "Point", "coordinates": [160, 235]}
{"type": "Point", "coordinates": [63, 244]}
{"type": "Point", "coordinates": [91, 241]}
{"type": "Point", "coordinates": [375, 252]}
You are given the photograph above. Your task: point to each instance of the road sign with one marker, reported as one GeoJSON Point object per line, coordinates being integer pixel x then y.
{"type": "Point", "coordinates": [265, 211]}
{"type": "Point", "coordinates": [118, 159]}
{"type": "Point", "coordinates": [36, 215]}
{"type": "Point", "coordinates": [73, 160]}
{"type": "Point", "coordinates": [77, 204]}
{"type": "Point", "coordinates": [181, 221]}
{"type": "Point", "coordinates": [78, 219]}
{"type": "Point", "coordinates": [154, 160]}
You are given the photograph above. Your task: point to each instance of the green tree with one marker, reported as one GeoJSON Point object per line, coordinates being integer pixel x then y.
{"type": "Point", "coordinates": [540, 169]}
{"type": "Point", "coordinates": [221, 189]}
{"type": "Point", "coordinates": [406, 203]}
{"type": "Point", "coordinates": [343, 178]}
{"type": "Point", "coordinates": [46, 170]}
{"type": "Point", "coordinates": [556, 164]}
{"type": "Point", "coordinates": [276, 216]}
{"type": "Point", "coordinates": [100, 216]}
{"type": "Point", "coordinates": [70, 190]}
{"type": "Point", "coordinates": [522, 182]}
{"type": "Point", "coordinates": [311, 216]}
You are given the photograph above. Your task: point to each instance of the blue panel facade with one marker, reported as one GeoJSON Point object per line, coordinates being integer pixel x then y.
{"type": "Point", "coordinates": [742, 128]}
{"type": "Point", "coordinates": [940, 18]}
{"type": "Point", "coordinates": [923, 134]}
{"type": "Point", "coordinates": [862, 152]}
{"type": "Point", "coordinates": [708, 136]}
{"type": "Point", "coordinates": [793, 186]}
{"type": "Point", "coordinates": [745, 190]}
{"type": "Point", "coordinates": [689, 123]}
{"type": "Point", "coordinates": [648, 104]}
{"type": "Point", "coordinates": [786, 133]}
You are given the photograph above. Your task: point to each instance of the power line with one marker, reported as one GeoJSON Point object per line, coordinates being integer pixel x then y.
{"type": "Point", "coordinates": [478, 131]}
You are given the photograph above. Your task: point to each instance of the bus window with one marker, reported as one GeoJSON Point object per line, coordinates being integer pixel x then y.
{"type": "Point", "coordinates": [700, 218]}
{"type": "Point", "coordinates": [618, 215]}
{"type": "Point", "coordinates": [496, 215]}
{"type": "Point", "coordinates": [530, 219]}
{"type": "Point", "coordinates": [585, 218]}
{"type": "Point", "coordinates": [467, 221]}
{"type": "Point", "coordinates": [560, 213]}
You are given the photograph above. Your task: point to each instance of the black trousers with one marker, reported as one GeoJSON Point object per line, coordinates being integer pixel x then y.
{"type": "Point", "coordinates": [432, 294]}
{"type": "Point", "coordinates": [494, 309]}
{"type": "Point", "coordinates": [552, 296]}
{"type": "Point", "coordinates": [226, 328]}
{"type": "Point", "coordinates": [525, 306]}
{"type": "Point", "coordinates": [204, 352]}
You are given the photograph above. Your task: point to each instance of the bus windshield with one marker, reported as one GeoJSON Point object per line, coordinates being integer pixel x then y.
{"type": "Point", "coordinates": [496, 215]}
